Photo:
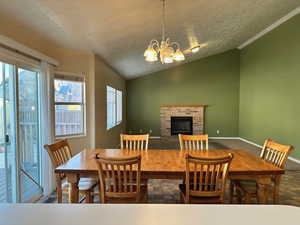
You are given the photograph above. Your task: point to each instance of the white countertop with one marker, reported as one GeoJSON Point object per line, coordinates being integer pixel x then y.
{"type": "Point", "coordinates": [150, 214]}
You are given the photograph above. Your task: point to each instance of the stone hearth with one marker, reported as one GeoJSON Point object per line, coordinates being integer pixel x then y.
{"type": "Point", "coordinates": [195, 111]}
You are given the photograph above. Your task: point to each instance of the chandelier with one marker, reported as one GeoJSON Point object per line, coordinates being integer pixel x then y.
{"type": "Point", "coordinates": [167, 51]}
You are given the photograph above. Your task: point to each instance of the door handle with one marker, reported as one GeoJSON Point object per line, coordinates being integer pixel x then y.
{"type": "Point", "coordinates": [7, 139]}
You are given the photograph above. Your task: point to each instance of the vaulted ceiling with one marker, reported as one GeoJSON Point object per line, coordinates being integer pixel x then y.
{"type": "Point", "coordinates": [120, 30]}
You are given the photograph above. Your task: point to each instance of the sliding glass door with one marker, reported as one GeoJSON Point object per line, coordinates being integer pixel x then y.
{"type": "Point", "coordinates": [28, 135]}
{"type": "Point", "coordinates": [8, 175]}
{"type": "Point", "coordinates": [19, 134]}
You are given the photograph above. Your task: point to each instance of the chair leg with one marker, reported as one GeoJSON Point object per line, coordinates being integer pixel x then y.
{"type": "Point", "coordinates": [88, 197]}
{"type": "Point", "coordinates": [181, 198]}
{"type": "Point", "coordinates": [92, 196]}
{"type": "Point", "coordinates": [231, 191]}
{"type": "Point", "coordinates": [58, 188]}
{"type": "Point", "coordinates": [59, 195]}
{"type": "Point", "coordinates": [102, 199]}
{"type": "Point", "coordinates": [187, 201]}
{"type": "Point", "coordinates": [146, 190]}
{"type": "Point", "coordinates": [247, 199]}
{"type": "Point", "coordinates": [239, 196]}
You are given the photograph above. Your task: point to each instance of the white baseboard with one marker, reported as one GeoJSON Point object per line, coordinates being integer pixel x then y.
{"type": "Point", "coordinates": [250, 142]}
{"type": "Point", "coordinates": [154, 137]}
{"type": "Point", "coordinates": [294, 160]}
{"type": "Point", "coordinates": [223, 137]}
{"type": "Point", "coordinates": [158, 137]}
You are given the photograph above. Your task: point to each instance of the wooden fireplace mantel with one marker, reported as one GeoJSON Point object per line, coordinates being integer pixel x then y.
{"type": "Point", "coordinates": [183, 106]}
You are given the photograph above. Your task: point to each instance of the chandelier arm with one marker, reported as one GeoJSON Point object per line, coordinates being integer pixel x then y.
{"type": "Point", "coordinates": [176, 44]}
{"type": "Point", "coordinates": [153, 42]}
{"type": "Point", "coordinates": [168, 41]}
{"type": "Point", "coordinates": [155, 46]}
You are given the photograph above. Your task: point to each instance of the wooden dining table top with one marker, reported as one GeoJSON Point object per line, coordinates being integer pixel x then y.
{"type": "Point", "coordinates": [159, 161]}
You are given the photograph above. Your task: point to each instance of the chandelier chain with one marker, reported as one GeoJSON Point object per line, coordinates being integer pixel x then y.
{"type": "Point", "coordinates": [167, 51]}
{"type": "Point", "coordinates": [163, 25]}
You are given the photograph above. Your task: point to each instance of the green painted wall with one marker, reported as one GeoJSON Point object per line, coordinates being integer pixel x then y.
{"type": "Point", "coordinates": [270, 85]}
{"type": "Point", "coordinates": [213, 81]}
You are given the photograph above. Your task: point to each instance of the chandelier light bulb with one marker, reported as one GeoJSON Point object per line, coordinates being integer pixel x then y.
{"type": "Point", "coordinates": [168, 60]}
{"type": "Point", "coordinates": [195, 49]}
{"type": "Point", "coordinates": [150, 52]}
{"type": "Point", "coordinates": [179, 56]}
{"type": "Point", "coordinates": [152, 58]}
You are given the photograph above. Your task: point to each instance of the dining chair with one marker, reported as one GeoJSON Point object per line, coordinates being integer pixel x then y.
{"type": "Point", "coordinates": [60, 153]}
{"type": "Point", "coordinates": [120, 179]}
{"type": "Point", "coordinates": [205, 179]}
{"type": "Point", "coordinates": [193, 142]}
{"type": "Point", "coordinates": [272, 152]}
{"type": "Point", "coordinates": [134, 142]}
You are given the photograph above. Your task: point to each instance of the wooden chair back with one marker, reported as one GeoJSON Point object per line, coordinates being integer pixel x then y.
{"type": "Point", "coordinates": [134, 142]}
{"type": "Point", "coordinates": [59, 152]}
{"type": "Point", "coordinates": [119, 177]}
{"type": "Point", "coordinates": [275, 153]}
{"type": "Point", "coordinates": [193, 142]}
{"type": "Point", "coordinates": [206, 177]}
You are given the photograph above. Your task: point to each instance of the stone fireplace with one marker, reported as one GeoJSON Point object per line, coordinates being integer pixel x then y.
{"type": "Point", "coordinates": [184, 119]}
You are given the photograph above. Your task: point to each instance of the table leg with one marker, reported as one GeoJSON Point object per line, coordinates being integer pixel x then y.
{"type": "Point", "coordinates": [73, 179]}
{"type": "Point", "coordinates": [262, 192]}
{"type": "Point", "coordinates": [276, 189]}
{"type": "Point", "coordinates": [58, 188]}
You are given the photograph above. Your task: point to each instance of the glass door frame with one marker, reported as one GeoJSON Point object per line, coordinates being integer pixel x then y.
{"type": "Point", "coordinates": [17, 130]}
{"type": "Point", "coordinates": [11, 136]}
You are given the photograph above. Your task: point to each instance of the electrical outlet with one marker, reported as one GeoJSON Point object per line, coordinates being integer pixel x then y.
{"type": "Point", "coordinates": [150, 131]}
{"type": "Point", "coordinates": [218, 131]}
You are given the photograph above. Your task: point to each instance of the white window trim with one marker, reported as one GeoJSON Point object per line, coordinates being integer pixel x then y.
{"type": "Point", "coordinates": [68, 76]}
{"type": "Point", "coordinates": [117, 123]}
{"type": "Point", "coordinates": [117, 103]}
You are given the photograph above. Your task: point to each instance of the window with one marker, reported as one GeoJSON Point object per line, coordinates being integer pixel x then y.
{"type": "Point", "coordinates": [114, 107]}
{"type": "Point", "coordinates": [69, 106]}
{"type": "Point", "coordinates": [119, 107]}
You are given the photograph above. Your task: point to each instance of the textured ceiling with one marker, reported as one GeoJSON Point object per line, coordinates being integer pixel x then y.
{"type": "Point", "coordinates": [120, 30]}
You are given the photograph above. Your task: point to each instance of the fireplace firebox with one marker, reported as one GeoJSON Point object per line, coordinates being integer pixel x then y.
{"type": "Point", "coordinates": [181, 125]}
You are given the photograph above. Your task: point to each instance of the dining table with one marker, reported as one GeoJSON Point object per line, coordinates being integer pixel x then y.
{"type": "Point", "coordinates": [170, 164]}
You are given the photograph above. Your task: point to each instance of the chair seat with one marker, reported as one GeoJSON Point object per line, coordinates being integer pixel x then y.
{"type": "Point", "coordinates": [84, 184]}
{"type": "Point", "coordinates": [195, 199]}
